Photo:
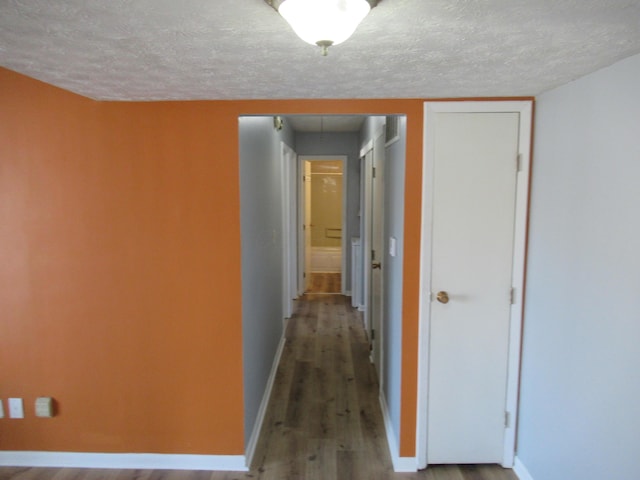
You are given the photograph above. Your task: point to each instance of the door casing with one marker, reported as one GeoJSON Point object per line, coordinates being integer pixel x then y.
{"type": "Point", "coordinates": [289, 228]}
{"type": "Point", "coordinates": [431, 109]}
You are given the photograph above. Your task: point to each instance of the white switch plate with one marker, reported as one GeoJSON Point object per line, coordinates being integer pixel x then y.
{"type": "Point", "coordinates": [392, 246]}
{"type": "Point", "coordinates": [1, 409]}
{"type": "Point", "coordinates": [16, 409]}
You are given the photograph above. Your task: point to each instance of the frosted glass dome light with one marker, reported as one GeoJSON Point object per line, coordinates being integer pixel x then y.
{"type": "Point", "coordinates": [324, 22]}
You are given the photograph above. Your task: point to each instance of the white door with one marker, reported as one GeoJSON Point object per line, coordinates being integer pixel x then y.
{"type": "Point", "coordinates": [366, 167]}
{"type": "Point", "coordinates": [377, 251]}
{"type": "Point", "coordinates": [472, 242]}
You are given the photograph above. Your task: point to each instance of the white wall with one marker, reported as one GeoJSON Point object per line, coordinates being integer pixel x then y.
{"type": "Point", "coordinates": [580, 396]}
{"type": "Point", "coordinates": [262, 271]}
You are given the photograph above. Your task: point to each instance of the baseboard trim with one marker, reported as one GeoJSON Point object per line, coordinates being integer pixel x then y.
{"type": "Point", "coordinates": [400, 464]}
{"type": "Point", "coordinates": [520, 470]}
{"type": "Point", "coordinates": [257, 426]}
{"type": "Point", "coordinates": [230, 463]}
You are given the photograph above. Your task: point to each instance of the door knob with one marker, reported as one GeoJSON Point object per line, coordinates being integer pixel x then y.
{"type": "Point", "coordinates": [442, 297]}
{"type": "Point", "coordinates": [375, 265]}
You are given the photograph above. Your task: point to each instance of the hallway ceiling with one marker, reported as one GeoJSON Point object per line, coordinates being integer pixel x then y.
{"type": "Point", "coordinates": [242, 49]}
{"type": "Point", "coordinates": [326, 123]}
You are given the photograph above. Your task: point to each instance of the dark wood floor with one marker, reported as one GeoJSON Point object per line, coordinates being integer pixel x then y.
{"type": "Point", "coordinates": [323, 421]}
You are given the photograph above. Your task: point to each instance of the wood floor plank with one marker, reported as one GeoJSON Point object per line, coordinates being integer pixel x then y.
{"type": "Point", "coordinates": [325, 282]}
{"type": "Point", "coordinates": [321, 459]}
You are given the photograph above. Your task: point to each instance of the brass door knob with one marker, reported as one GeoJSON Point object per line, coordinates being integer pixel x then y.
{"type": "Point", "coordinates": [442, 297]}
{"type": "Point", "coordinates": [375, 265]}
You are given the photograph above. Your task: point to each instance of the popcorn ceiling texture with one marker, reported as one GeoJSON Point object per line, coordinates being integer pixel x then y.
{"type": "Point", "coordinates": [242, 49]}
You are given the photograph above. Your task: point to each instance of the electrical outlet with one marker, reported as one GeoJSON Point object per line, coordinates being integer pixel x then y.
{"type": "Point", "coordinates": [44, 407]}
{"type": "Point", "coordinates": [16, 409]}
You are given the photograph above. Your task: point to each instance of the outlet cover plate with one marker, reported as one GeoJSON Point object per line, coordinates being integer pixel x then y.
{"type": "Point", "coordinates": [16, 409]}
{"type": "Point", "coordinates": [44, 407]}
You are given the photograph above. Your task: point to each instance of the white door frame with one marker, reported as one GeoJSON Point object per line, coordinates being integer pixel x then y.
{"type": "Point", "coordinates": [289, 229]}
{"type": "Point", "coordinates": [343, 241]}
{"type": "Point", "coordinates": [365, 228]}
{"type": "Point", "coordinates": [525, 109]}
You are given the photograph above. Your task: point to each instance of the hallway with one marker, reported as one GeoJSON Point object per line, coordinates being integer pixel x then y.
{"type": "Point", "coordinates": [324, 419]}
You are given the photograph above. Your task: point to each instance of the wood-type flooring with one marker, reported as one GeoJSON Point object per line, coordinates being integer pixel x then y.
{"type": "Point", "coordinates": [326, 282]}
{"type": "Point", "coordinates": [323, 420]}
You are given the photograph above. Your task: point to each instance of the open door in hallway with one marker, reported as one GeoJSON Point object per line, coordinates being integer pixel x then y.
{"type": "Point", "coordinates": [323, 206]}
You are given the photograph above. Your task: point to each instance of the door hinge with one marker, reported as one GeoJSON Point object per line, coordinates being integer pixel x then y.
{"type": "Point", "coordinates": [519, 163]}
{"type": "Point", "coordinates": [507, 420]}
{"type": "Point", "coordinates": [373, 255]}
{"type": "Point", "coordinates": [373, 172]}
{"type": "Point", "coordinates": [512, 296]}
{"type": "Point", "coordinates": [373, 334]}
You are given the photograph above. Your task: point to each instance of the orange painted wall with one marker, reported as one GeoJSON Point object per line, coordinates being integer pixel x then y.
{"type": "Point", "coordinates": [119, 274]}
{"type": "Point", "coordinates": [120, 289]}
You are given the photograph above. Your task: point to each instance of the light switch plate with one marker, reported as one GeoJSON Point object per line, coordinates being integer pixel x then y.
{"type": "Point", "coordinates": [16, 409]}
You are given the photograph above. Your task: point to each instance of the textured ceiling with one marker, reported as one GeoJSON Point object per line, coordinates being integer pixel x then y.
{"type": "Point", "coordinates": [237, 49]}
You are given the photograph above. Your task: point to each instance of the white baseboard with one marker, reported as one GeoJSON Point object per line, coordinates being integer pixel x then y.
{"type": "Point", "coordinates": [400, 464]}
{"type": "Point", "coordinates": [230, 463]}
{"type": "Point", "coordinates": [257, 426]}
{"type": "Point", "coordinates": [521, 471]}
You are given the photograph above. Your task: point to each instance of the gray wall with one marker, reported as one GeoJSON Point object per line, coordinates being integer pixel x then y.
{"type": "Point", "coordinates": [339, 144]}
{"type": "Point", "coordinates": [580, 408]}
{"type": "Point", "coordinates": [262, 275]}
{"type": "Point", "coordinates": [394, 179]}
{"type": "Point", "coordinates": [392, 295]}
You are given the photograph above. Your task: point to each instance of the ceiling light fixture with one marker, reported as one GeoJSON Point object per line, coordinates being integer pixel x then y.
{"type": "Point", "coordinates": [323, 22]}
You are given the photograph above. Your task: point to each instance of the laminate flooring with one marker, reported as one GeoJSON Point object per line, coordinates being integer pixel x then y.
{"type": "Point", "coordinates": [323, 420]}
{"type": "Point", "coordinates": [325, 282]}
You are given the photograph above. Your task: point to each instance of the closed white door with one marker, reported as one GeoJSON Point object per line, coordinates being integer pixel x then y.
{"type": "Point", "coordinates": [377, 252]}
{"type": "Point", "coordinates": [474, 197]}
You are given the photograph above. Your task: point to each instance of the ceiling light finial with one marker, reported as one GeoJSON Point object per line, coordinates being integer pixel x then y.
{"type": "Point", "coordinates": [323, 22]}
{"type": "Point", "coordinates": [324, 44]}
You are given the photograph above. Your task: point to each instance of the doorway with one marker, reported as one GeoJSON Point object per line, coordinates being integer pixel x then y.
{"type": "Point", "coordinates": [374, 258]}
{"type": "Point", "coordinates": [323, 212]}
{"type": "Point", "coordinates": [474, 223]}
{"type": "Point", "coordinates": [267, 254]}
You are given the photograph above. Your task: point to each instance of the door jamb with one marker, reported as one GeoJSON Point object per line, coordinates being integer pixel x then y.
{"type": "Point", "coordinates": [365, 229]}
{"type": "Point", "coordinates": [525, 109]}
{"type": "Point", "coordinates": [343, 241]}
